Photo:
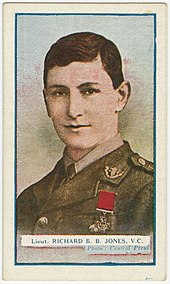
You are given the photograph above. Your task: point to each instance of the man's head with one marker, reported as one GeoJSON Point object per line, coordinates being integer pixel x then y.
{"type": "Point", "coordinates": [85, 47]}
{"type": "Point", "coordinates": [84, 90]}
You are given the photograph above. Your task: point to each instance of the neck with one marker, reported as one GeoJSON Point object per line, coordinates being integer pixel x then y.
{"type": "Point", "coordinates": [77, 154]}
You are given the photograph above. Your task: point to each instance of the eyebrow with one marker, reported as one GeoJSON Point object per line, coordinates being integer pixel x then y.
{"type": "Point", "coordinates": [55, 86]}
{"type": "Point", "coordinates": [80, 87]}
{"type": "Point", "coordinates": [87, 85]}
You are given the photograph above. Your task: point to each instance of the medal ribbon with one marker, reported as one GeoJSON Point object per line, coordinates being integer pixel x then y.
{"type": "Point", "coordinates": [106, 201]}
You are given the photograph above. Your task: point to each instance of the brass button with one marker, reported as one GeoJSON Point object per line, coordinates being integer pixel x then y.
{"type": "Point", "coordinates": [142, 161]}
{"type": "Point", "coordinates": [43, 222]}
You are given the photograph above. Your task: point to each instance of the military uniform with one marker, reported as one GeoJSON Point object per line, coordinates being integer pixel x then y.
{"type": "Point", "coordinates": [58, 204]}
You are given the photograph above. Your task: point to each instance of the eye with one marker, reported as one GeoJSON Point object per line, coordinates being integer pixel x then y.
{"type": "Point", "coordinates": [90, 91]}
{"type": "Point", "coordinates": [59, 93]}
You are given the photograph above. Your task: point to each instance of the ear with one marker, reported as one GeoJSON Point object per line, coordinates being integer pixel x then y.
{"type": "Point", "coordinates": [123, 91]}
{"type": "Point", "coordinates": [46, 101]}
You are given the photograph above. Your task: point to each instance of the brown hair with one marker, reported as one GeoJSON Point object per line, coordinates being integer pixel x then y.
{"type": "Point", "coordinates": [85, 47]}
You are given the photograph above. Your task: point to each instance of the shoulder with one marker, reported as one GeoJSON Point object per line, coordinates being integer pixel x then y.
{"type": "Point", "coordinates": [40, 189]}
{"type": "Point", "coordinates": [125, 167]}
{"type": "Point", "coordinates": [141, 174]}
{"type": "Point", "coordinates": [141, 163]}
{"type": "Point", "coordinates": [142, 170]}
{"type": "Point", "coordinates": [29, 191]}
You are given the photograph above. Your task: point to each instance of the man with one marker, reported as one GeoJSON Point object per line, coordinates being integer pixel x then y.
{"type": "Point", "coordinates": [99, 186]}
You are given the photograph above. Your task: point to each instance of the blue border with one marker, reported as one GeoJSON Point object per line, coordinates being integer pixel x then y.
{"type": "Point", "coordinates": [15, 141]}
{"type": "Point", "coordinates": [154, 124]}
{"type": "Point", "coordinates": [85, 264]}
{"type": "Point", "coordinates": [82, 14]}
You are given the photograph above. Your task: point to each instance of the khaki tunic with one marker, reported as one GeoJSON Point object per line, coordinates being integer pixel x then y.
{"type": "Point", "coordinates": [56, 205]}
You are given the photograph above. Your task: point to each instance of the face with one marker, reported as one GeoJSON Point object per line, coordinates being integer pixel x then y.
{"type": "Point", "coordinates": [82, 103]}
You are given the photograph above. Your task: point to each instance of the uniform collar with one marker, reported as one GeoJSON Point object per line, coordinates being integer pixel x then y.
{"type": "Point", "coordinates": [94, 155]}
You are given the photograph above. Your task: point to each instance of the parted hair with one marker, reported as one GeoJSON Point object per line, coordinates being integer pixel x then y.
{"type": "Point", "coordinates": [85, 47]}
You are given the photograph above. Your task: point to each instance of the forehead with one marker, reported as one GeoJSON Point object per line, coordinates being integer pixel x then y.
{"type": "Point", "coordinates": [77, 73]}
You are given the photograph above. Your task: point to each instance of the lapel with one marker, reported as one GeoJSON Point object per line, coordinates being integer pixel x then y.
{"type": "Point", "coordinates": [44, 187]}
{"type": "Point", "coordinates": [79, 188]}
{"type": "Point", "coordinates": [84, 185]}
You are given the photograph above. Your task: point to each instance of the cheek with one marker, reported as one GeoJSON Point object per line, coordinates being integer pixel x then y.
{"type": "Point", "coordinates": [112, 101]}
{"type": "Point", "coordinates": [103, 113]}
{"type": "Point", "coordinates": [104, 106]}
{"type": "Point", "coordinates": [56, 110]}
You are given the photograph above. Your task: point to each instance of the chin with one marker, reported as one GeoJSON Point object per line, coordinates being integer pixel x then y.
{"type": "Point", "coordinates": [79, 145]}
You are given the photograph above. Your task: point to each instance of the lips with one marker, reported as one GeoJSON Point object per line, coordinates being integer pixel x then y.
{"type": "Point", "coordinates": [77, 126]}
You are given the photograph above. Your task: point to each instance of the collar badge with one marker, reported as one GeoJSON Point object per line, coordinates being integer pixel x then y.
{"type": "Point", "coordinates": [113, 173]}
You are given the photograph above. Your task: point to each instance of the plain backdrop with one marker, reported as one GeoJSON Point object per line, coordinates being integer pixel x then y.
{"type": "Point", "coordinates": [38, 146]}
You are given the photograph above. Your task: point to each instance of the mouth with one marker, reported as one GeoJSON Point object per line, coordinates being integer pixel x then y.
{"type": "Point", "coordinates": [77, 126]}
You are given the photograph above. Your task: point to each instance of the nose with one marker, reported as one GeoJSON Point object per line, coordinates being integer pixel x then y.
{"type": "Point", "coordinates": [75, 107]}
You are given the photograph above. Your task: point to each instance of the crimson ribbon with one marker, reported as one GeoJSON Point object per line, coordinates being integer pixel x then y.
{"type": "Point", "coordinates": [106, 201]}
